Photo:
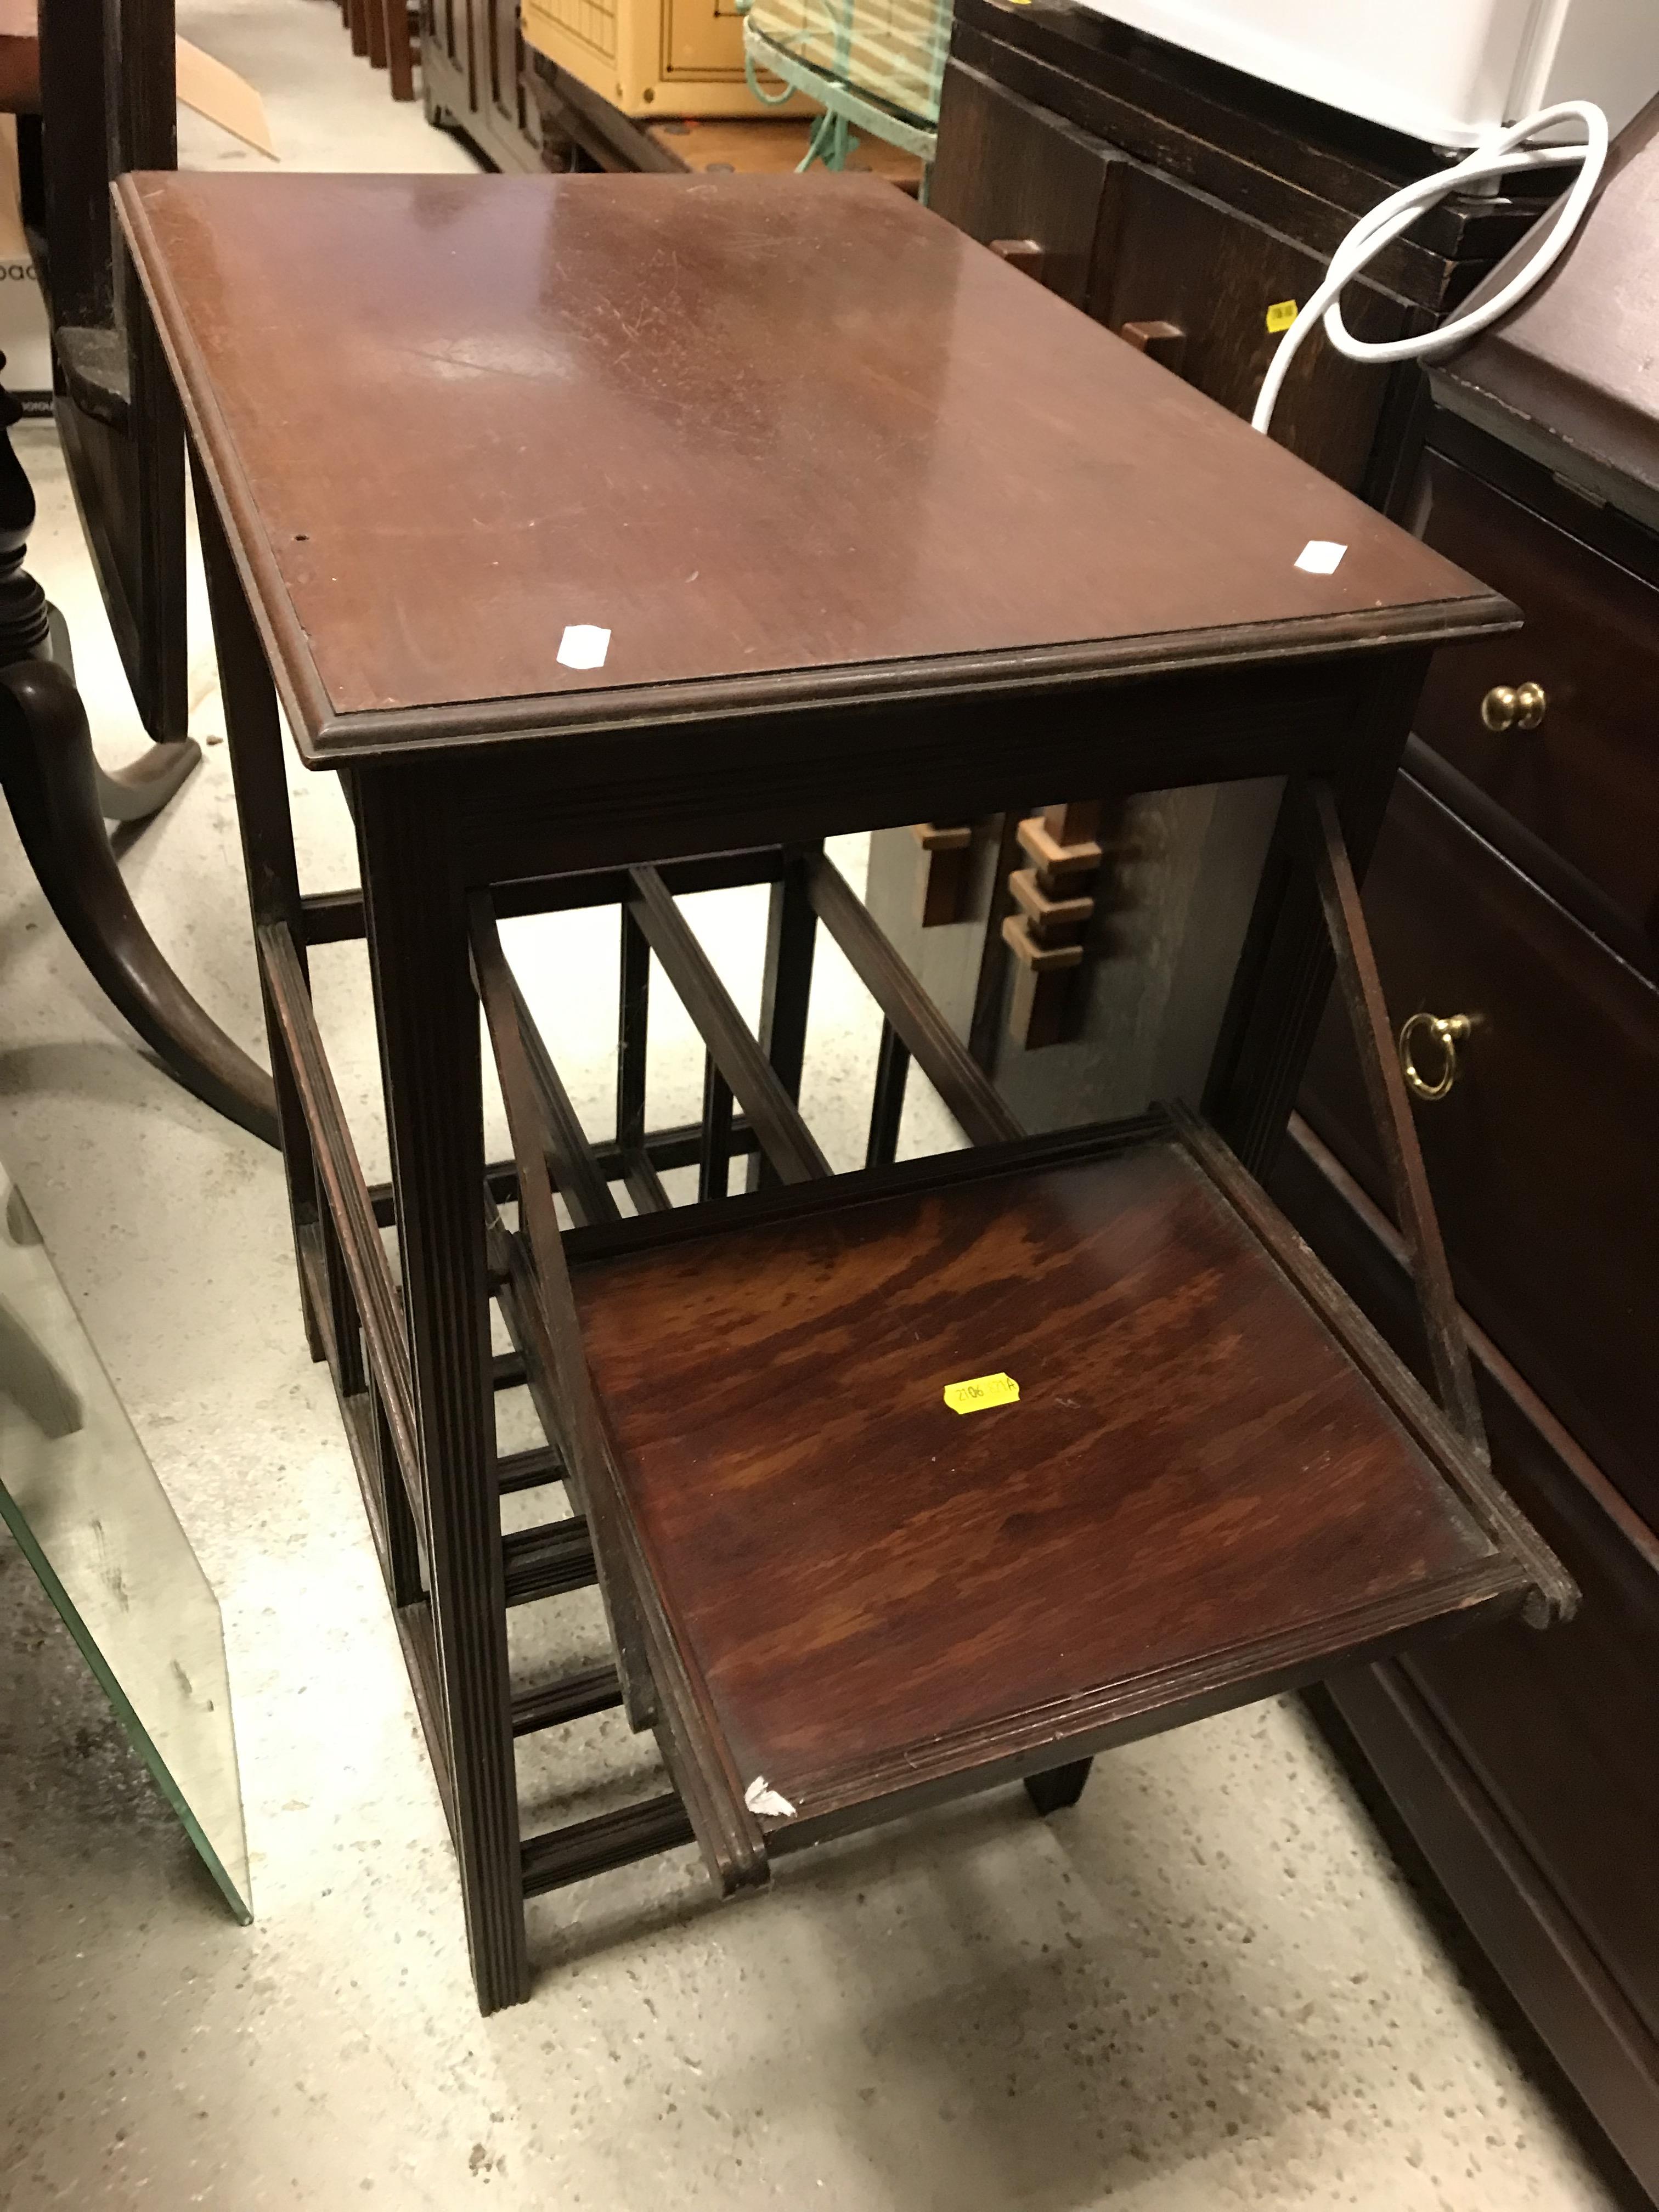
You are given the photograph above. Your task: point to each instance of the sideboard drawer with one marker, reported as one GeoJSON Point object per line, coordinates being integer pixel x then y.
{"type": "Point", "coordinates": [1166, 253]}
{"type": "Point", "coordinates": [1556, 1726]}
{"type": "Point", "coordinates": [1586, 778]}
{"type": "Point", "coordinates": [1007, 169]}
{"type": "Point", "coordinates": [1129, 245]}
{"type": "Point", "coordinates": [1542, 1156]}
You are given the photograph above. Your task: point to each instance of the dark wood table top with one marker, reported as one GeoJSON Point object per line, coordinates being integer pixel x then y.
{"type": "Point", "coordinates": [779, 436]}
{"type": "Point", "coordinates": [864, 1581]}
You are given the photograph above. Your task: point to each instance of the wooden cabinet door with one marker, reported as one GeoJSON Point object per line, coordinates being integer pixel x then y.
{"type": "Point", "coordinates": [1165, 253]}
{"type": "Point", "coordinates": [704, 38]}
{"type": "Point", "coordinates": [1551, 1721]}
{"type": "Point", "coordinates": [450, 24]}
{"type": "Point", "coordinates": [505, 61]}
{"type": "Point", "coordinates": [1541, 1156]}
{"type": "Point", "coordinates": [1006, 169]}
{"type": "Point", "coordinates": [1585, 776]}
{"type": "Point", "coordinates": [1556, 1724]}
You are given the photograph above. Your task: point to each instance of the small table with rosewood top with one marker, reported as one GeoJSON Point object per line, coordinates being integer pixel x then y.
{"type": "Point", "coordinates": [872, 530]}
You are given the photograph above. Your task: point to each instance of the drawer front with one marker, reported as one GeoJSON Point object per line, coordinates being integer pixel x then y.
{"type": "Point", "coordinates": [1128, 246]}
{"type": "Point", "coordinates": [1166, 253]}
{"type": "Point", "coordinates": [702, 38]}
{"type": "Point", "coordinates": [1586, 780]}
{"type": "Point", "coordinates": [1559, 1726]}
{"type": "Point", "coordinates": [1542, 1156]}
{"type": "Point", "coordinates": [1007, 169]}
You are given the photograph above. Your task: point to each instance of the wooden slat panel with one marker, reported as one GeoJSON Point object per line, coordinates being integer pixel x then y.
{"type": "Point", "coordinates": [785, 1138]}
{"type": "Point", "coordinates": [938, 1051]}
{"type": "Point", "coordinates": [367, 1266]}
{"type": "Point", "coordinates": [529, 1470]}
{"type": "Point", "coordinates": [934, 1171]}
{"type": "Point", "coordinates": [679, 1146]}
{"type": "Point", "coordinates": [576, 1174]}
{"type": "Point", "coordinates": [595, 1690]}
{"type": "Point", "coordinates": [547, 1561]}
{"type": "Point", "coordinates": [540, 1305]}
{"type": "Point", "coordinates": [610, 1839]}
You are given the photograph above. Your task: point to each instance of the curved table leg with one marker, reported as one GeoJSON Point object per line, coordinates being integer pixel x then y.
{"type": "Point", "coordinates": [48, 775]}
{"type": "Point", "coordinates": [135, 793]}
{"type": "Point", "coordinates": [132, 793]}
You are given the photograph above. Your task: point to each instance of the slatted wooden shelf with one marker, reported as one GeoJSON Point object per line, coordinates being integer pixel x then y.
{"type": "Point", "coordinates": [1200, 1493]}
{"type": "Point", "coordinates": [1216, 1481]}
{"type": "Point", "coordinates": [577, 1698]}
{"type": "Point", "coordinates": [547, 1561]}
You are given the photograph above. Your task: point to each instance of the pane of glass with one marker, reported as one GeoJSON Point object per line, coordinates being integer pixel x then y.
{"type": "Point", "coordinates": [85, 1505]}
{"type": "Point", "coordinates": [1169, 900]}
{"type": "Point", "coordinates": [892, 51]}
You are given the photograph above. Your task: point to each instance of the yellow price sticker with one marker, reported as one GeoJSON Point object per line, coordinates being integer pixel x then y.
{"type": "Point", "coordinates": [1281, 315]}
{"type": "Point", "coordinates": [983, 1391]}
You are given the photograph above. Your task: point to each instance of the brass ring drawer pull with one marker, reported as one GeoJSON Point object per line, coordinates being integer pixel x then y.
{"type": "Point", "coordinates": [1449, 1031]}
{"type": "Point", "coordinates": [1514, 707]}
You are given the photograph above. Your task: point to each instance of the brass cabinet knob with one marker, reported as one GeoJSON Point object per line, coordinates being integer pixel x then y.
{"type": "Point", "coordinates": [1448, 1031]}
{"type": "Point", "coordinates": [1514, 707]}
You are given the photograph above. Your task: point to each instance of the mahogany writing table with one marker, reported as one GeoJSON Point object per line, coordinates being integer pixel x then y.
{"type": "Point", "coordinates": [940, 546]}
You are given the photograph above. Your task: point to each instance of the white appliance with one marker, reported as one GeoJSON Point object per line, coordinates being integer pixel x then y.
{"type": "Point", "coordinates": [1449, 71]}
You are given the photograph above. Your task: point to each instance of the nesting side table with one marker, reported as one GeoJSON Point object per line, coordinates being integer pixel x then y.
{"type": "Point", "coordinates": [940, 546]}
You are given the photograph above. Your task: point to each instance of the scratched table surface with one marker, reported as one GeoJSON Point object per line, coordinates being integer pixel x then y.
{"type": "Point", "coordinates": [745, 425]}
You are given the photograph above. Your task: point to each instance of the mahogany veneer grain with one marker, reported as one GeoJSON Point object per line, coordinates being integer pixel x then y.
{"type": "Point", "coordinates": [1194, 1467]}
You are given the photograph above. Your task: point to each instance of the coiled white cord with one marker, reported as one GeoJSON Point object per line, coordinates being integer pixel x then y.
{"type": "Point", "coordinates": [1501, 156]}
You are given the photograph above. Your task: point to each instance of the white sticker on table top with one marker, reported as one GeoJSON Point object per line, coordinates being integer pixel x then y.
{"type": "Point", "coordinates": [584, 646]}
{"type": "Point", "coordinates": [1320, 556]}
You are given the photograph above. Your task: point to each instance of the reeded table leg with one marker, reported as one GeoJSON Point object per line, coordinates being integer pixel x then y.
{"type": "Point", "coordinates": [260, 777]}
{"type": "Point", "coordinates": [1059, 1787]}
{"type": "Point", "coordinates": [427, 1013]}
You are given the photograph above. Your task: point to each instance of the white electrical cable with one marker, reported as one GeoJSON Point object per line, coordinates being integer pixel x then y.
{"type": "Point", "coordinates": [1500, 157]}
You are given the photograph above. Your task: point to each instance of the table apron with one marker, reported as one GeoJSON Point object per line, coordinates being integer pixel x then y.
{"type": "Point", "coordinates": [588, 801]}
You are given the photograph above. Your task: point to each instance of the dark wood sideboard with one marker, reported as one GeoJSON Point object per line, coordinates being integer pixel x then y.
{"type": "Point", "coordinates": [1161, 190]}
{"type": "Point", "coordinates": [1516, 883]}
{"type": "Point", "coordinates": [1176, 202]}
{"type": "Point", "coordinates": [474, 79]}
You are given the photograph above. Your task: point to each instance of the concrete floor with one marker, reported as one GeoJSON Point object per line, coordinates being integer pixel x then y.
{"type": "Point", "coordinates": [1208, 1986]}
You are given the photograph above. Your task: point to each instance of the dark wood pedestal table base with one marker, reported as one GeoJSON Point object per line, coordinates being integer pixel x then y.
{"type": "Point", "coordinates": [940, 546]}
{"type": "Point", "coordinates": [60, 798]}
